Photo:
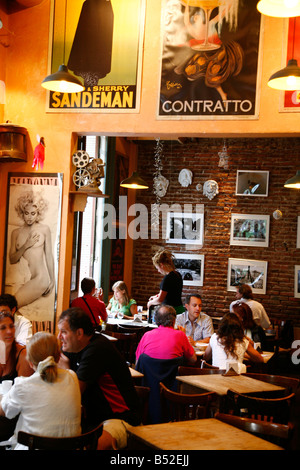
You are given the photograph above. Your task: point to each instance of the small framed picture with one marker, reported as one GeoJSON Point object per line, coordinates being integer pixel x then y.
{"type": "Point", "coordinates": [191, 268]}
{"type": "Point", "coordinates": [252, 183]}
{"type": "Point", "coordinates": [246, 271]}
{"type": "Point", "coordinates": [184, 228]}
{"type": "Point", "coordinates": [298, 233]}
{"type": "Point", "coordinates": [297, 281]}
{"type": "Point", "coordinates": [249, 230]}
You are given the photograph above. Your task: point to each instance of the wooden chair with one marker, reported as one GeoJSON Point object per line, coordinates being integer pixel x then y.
{"type": "Point", "coordinates": [274, 410]}
{"type": "Point", "coordinates": [206, 365]}
{"type": "Point", "coordinates": [143, 394]}
{"type": "Point", "coordinates": [126, 344]}
{"type": "Point", "coordinates": [186, 370]}
{"type": "Point", "coordinates": [279, 434]}
{"type": "Point", "coordinates": [138, 330]}
{"type": "Point", "coordinates": [180, 406]}
{"type": "Point", "coordinates": [87, 441]}
{"type": "Point", "coordinates": [290, 384]}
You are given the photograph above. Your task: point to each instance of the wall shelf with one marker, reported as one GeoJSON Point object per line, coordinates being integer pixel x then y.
{"type": "Point", "coordinates": [79, 199]}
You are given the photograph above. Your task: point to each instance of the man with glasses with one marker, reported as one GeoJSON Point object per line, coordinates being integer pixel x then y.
{"type": "Point", "coordinates": [23, 327]}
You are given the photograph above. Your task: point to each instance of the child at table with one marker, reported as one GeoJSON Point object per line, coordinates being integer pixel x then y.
{"type": "Point", "coordinates": [121, 301]}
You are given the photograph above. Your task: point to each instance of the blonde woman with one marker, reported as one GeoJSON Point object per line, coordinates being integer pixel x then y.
{"type": "Point", "coordinates": [49, 401]}
{"type": "Point", "coordinates": [121, 301]}
{"type": "Point", "coordinates": [171, 284]}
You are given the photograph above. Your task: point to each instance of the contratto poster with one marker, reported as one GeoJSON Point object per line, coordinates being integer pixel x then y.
{"type": "Point", "coordinates": [210, 61]}
{"type": "Point", "coordinates": [291, 99]}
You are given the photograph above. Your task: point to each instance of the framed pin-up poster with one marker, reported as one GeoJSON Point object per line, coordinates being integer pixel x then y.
{"type": "Point", "coordinates": [32, 245]}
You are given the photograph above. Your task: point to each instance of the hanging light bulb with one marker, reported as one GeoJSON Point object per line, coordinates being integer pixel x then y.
{"type": "Point", "coordinates": [279, 8]}
{"type": "Point", "coordinates": [62, 81]}
{"type": "Point", "coordinates": [288, 78]}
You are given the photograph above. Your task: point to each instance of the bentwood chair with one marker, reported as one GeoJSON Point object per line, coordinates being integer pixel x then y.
{"type": "Point", "coordinates": [87, 441]}
{"type": "Point", "coordinates": [186, 370]}
{"type": "Point", "coordinates": [181, 406]}
{"type": "Point", "coordinates": [126, 344]}
{"type": "Point", "coordinates": [143, 394]}
{"type": "Point", "coordinates": [290, 384]}
{"type": "Point", "coordinates": [279, 434]}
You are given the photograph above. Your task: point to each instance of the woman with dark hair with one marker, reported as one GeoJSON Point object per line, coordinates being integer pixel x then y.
{"type": "Point", "coordinates": [230, 343]}
{"type": "Point", "coordinates": [253, 331]}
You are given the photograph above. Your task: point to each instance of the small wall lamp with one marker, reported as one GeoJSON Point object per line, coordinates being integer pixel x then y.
{"type": "Point", "coordinates": [294, 182]}
{"type": "Point", "coordinates": [134, 182]}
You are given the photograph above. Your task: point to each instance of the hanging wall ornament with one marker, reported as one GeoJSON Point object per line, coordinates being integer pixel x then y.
{"type": "Point", "coordinates": [185, 177]}
{"type": "Point", "coordinates": [160, 184]}
{"type": "Point", "coordinates": [210, 189]}
{"type": "Point", "coordinates": [223, 157]}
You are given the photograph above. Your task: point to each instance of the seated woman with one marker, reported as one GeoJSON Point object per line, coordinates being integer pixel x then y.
{"type": "Point", "coordinates": [254, 332]}
{"type": "Point", "coordinates": [15, 364]}
{"type": "Point", "coordinates": [121, 301]}
{"type": "Point", "coordinates": [230, 343]}
{"type": "Point", "coordinates": [49, 401]}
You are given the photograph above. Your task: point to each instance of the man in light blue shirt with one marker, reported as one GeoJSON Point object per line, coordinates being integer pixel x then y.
{"type": "Point", "coordinates": [197, 326]}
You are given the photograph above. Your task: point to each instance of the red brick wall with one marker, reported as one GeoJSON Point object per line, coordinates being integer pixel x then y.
{"type": "Point", "coordinates": [281, 157]}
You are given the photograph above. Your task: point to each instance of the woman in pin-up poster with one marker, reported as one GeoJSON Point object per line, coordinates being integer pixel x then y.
{"type": "Point", "coordinates": [32, 240]}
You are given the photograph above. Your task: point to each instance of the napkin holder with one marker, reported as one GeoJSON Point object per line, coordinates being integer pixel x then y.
{"type": "Point", "coordinates": [138, 318]}
{"type": "Point", "coordinates": [232, 368]}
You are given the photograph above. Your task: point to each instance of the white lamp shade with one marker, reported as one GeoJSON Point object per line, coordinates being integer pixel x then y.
{"type": "Point", "coordinates": [279, 8]}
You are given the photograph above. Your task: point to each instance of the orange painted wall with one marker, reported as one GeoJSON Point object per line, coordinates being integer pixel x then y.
{"type": "Point", "coordinates": [24, 65]}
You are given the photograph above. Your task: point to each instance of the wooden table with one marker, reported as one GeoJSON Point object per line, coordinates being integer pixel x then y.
{"type": "Point", "coordinates": [122, 322]}
{"type": "Point", "coordinates": [135, 373]}
{"type": "Point", "coordinates": [200, 434]}
{"type": "Point", "coordinates": [220, 384]}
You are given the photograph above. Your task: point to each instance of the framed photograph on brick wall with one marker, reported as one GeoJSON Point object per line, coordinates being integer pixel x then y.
{"type": "Point", "coordinates": [298, 232]}
{"type": "Point", "coordinates": [249, 230]}
{"type": "Point", "coordinates": [297, 281]}
{"type": "Point", "coordinates": [252, 183]}
{"type": "Point", "coordinates": [191, 268]}
{"type": "Point", "coordinates": [246, 271]}
{"type": "Point", "coordinates": [184, 228]}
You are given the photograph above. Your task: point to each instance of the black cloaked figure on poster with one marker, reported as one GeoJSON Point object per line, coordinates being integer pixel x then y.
{"type": "Point", "coordinates": [90, 56]}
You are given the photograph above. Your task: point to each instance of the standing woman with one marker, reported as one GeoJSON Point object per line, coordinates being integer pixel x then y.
{"type": "Point", "coordinates": [171, 284]}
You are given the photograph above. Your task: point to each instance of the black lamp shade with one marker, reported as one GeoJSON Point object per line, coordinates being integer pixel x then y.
{"type": "Point", "coordinates": [62, 81]}
{"type": "Point", "coordinates": [134, 182]}
{"type": "Point", "coordinates": [287, 78]}
{"type": "Point", "coordinates": [294, 182]}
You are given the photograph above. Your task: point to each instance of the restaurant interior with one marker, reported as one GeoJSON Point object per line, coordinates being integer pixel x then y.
{"type": "Point", "coordinates": [183, 131]}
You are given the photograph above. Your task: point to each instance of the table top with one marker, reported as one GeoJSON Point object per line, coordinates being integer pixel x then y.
{"type": "Point", "coordinates": [135, 373]}
{"type": "Point", "coordinates": [220, 384]}
{"type": "Point", "coordinates": [199, 434]}
{"type": "Point", "coordinates": [117, 321]}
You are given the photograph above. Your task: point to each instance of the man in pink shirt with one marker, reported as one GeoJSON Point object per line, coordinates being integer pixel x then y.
{"type": "Point", "coordinates": [165, 342]}
{"type": "Point", "coordinates": [94, 307]}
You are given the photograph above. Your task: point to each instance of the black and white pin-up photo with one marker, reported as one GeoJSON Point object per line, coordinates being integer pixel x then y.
{"type": "Point", "coordinates": [32, 243]}
{"type": "Point", "coordinates": [191, 268]}
{"type": "Point", "coordinates": [184, 228]}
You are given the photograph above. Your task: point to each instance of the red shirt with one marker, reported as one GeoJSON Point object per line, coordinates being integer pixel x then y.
{"type": "Point", "coordinates": [165, 343]}
{"type": "Point", "coordinates": [97, 307]}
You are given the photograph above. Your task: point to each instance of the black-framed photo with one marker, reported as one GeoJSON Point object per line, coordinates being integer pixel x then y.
{"type": "Point", "coordinates": [184, 228]}
{"type": "Point", "coordinates": [252, 183]}
{"type": "Point", "coordinates": [191, 268]}
{"type": "Point", "coordinates": [297, 281]}
{"type": "Point", "coordinates": [249, 230]}
{"type": "Point", "coordinates": [32, 245]}
{"type": "Point", "coordinates": [298, 232]}
{"type": "Point", "coordinates": [246, 271]}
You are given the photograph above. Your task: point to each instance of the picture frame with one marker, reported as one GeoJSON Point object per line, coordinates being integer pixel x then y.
{"type": "Point", "coordinates": [33, 210]}
{"type": "Point", "coordinates": [252, 183]}
{"type": "Point", "coordinates": [246, 271]}
{"type": "Point", "coordinates": [191, 268]}
{"type": "Point", "coordinates": [184, 228]}
{"type": "Point", "coordinates": [298, 232]}
{"type": "Point", "coordinates": [250, 230]}
{"type": "Point", "coordinates": [297, 281]}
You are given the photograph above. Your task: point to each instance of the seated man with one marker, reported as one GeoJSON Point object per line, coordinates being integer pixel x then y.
{"type": "Point", "coordinates": [196, 325]}
{"type": "Point", "coordinates": [107, 389]}
{"type": "Point", "coordinates": [92, 305]}
{"type": "Point", "coordinates": [23, 327]}
{"type": "Point", "coordinates": [165, 342]}
{"type": "Point", "coordinates": [244, 294]}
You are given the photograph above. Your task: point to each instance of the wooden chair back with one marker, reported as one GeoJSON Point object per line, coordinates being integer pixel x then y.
{"type": "Point", "coordinates": [87, 441]}
{"type": "Point", "coordinates": [186, 370]}
{"type": "Point", "coordinates": [290, 384]}
{"type": "Point", "coordinates": [126, 344]}
{"type": "Point", "coordinates": [275, 410]}
{"type": "Point", "coordinates": [143, 394]}
{"type": "Point", "coordinates": [277, 433]}
{"type": "Point", "coordinates": [180, 406]}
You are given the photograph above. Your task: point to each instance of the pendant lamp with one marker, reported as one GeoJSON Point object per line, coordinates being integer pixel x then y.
{"type": "Point", "coordinates": [134, 182]}
{"type": "Point", "coordinates": [62, 81]}
{"type": "Point", "coordinates": [279, 8]}
{"type": "Point", "coordinates": [294, 182]}
{"type": "Point", "coordinates": [287, 78]}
